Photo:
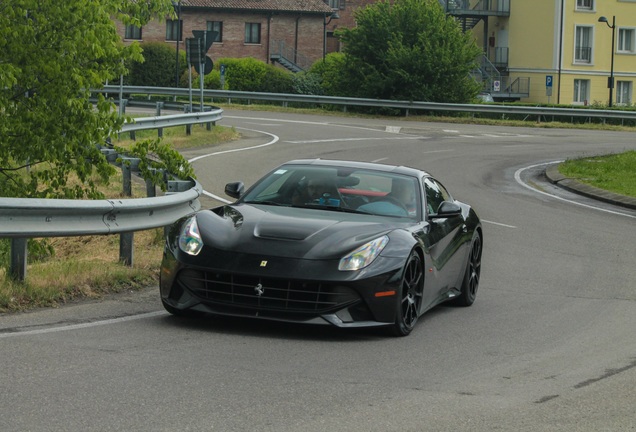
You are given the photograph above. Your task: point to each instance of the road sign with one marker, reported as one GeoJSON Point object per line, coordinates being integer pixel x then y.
{"type": "Point", "coordinates": [207, 36]}
{"type": "Point", "coordinates": [548, 80]}
{"type": "Point", "coordinates": [207, 67]}
{"type": "Point", "coordinates": [496, 85]}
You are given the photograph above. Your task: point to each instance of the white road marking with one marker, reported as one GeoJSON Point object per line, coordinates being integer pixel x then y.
{"type": "Point", "coordinates": [498, 224]}
{"type": "Point", "coordinates": [269, 143]}
{"type": "Point", "coordinates": [83, 325]}
{"type": "Point", "coordinates": [356, 139]}
{"type": "Point", "coordinates": [519, 181]}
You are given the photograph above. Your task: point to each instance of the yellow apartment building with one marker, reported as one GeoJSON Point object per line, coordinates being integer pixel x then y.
{"type": "Point", "coordinates": [554, 51]}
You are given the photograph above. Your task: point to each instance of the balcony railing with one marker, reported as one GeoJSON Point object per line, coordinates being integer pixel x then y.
{"type": "Point", "coordinates": [478, 7]}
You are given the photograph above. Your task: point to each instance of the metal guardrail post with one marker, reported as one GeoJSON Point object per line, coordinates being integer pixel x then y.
{"type": "Point", "coordinates": [126, 241]}
{"type": "Point", "coordinates": [128, 165]}
{"type": "Point", "coordinates": [158, 113]}
{"type": "Point", "coordinates": [186, 109]}
{"type": "Point", "coordinates": [18, 259]}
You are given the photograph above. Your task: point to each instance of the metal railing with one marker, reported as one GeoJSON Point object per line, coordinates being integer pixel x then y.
{"type": "Point", "coordinates": [25, 218]}
{"type": "Point", "coordinates": [285, 98]}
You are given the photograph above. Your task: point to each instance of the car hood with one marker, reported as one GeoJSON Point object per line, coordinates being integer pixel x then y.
{"type": "Point", "coordinates": [289, 232]}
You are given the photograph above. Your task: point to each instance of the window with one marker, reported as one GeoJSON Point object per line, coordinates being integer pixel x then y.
{"type": "Point", "coordinates": [335, 4]}
{"type": "Point", "coordinates": [581, 91]}
{"type": "Point", "coordinates": [626, 40]}
{"type": "Point", "coordinates": [216, 26]}
{"type": "Point", "coordinates": [585, 4]}
{"type": "Point", "coordinates": [624, 92]}
{"type": "Point", "coordinates": [435, 195]}
{"type": "Point", "coordinates": [174, 28]}
{"type": "Point", "coordinates": [583, 46]}
{"type": "Point", "coordinates": [133, 32]}
{"type": "Point", "coordinates": [252, 33]}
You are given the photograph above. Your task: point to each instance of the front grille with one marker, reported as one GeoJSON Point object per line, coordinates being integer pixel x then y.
{"type": "Point", "coordinates": [267, 294]}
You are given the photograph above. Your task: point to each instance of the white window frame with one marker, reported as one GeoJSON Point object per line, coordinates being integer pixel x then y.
{"type": "Point", "coordinates": [624, 92]}
{"type": "Point", "coordinates": [578, 58]}
{"type": "Point", "coordinates": [585, 5]}
{"type": "Point", "coordinates": [581, 92]}
{"type": "Point", "coordinates": [626, 42]}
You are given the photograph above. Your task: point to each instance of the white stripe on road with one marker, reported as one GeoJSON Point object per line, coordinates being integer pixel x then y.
{"type": "Point", "coordinates": [83, 325]}
{"type": "Point", "coordinates": [519, 181]}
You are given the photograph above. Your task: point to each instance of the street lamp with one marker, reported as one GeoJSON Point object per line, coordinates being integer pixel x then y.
{"type": "Point", "coordinates": [610, 81]}
{"type": "Point", "coordinates": [177, 7]}
{"type": "Point", "coordinates": [325, 22]}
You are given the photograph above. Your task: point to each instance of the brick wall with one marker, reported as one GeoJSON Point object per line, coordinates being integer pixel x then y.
{"type": "Point", "coordinates": [302, 32]}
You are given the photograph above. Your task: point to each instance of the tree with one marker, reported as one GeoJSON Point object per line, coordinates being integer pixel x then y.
{"type": "Point", "coordinates": [408, 50]}
{"type": "Point", "coordinates": [51, 54]}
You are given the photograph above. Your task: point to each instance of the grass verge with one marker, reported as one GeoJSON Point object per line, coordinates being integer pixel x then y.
{"type": "Point", "coordinates": [615, 173]}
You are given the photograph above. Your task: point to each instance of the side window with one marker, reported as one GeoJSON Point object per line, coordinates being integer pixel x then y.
{"type": "Point", "coordinates": [435, 195]}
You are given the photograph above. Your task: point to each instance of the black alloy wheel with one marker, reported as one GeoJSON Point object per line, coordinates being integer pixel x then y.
{"type": "Point", "coordinates": [470, 285]}
{"type": "Point", "coordinates": [410, 298]}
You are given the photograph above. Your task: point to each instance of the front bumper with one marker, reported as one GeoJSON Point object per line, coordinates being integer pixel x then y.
{"type": "Point", "coordinates": [342, 299]}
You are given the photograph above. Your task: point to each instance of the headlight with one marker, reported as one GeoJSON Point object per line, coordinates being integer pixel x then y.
{"type": "Point", "coordinates": [364, 255]}
{"type": "Point", "coordinates": [189, 238]}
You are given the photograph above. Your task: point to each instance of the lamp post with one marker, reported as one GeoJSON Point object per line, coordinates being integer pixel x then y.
{"type": "Point", "coordinates": [610, 81]}
{"type": "Point", "coordinates": [325, 22]}
{"type": "Point", "coordinates": [177, 7]}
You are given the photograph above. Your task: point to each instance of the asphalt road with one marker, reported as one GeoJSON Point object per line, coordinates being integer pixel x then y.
{"type": "Point", "coordinates": [549, 344]}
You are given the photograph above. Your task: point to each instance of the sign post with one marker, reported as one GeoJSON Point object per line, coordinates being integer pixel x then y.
{"type": "Point", "coordinates": [198, 47]}
{"type": "Point", "coordinates": [548, 86]}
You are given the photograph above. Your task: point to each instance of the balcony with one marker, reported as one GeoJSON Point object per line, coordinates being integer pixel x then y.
{"type": "Point", "coordinates": [477, 8]}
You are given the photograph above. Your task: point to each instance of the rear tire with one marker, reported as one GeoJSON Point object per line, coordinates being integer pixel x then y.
{"type": "Point", "coordinates": [410, 295]}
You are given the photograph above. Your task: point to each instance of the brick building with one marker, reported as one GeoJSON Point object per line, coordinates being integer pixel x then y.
{"type": "Point", "coordinates": [293, 33]}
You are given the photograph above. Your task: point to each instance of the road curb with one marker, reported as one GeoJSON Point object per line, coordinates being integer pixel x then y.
{"type": "Point", "coordinates": [555, 177]}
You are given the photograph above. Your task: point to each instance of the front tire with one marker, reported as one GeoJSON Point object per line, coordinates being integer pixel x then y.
{"type": "Point", "coordinates": [470, 284]}
{"type": "Point", "coordinates": [410, 295]}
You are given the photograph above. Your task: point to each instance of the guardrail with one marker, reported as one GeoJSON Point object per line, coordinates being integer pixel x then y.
{"type": "Point", "coordinates": [285, 98]}
{"type": "Point", "coordinates": [24, 218]}
{"type": "Point", "coordinates": [160, 122]}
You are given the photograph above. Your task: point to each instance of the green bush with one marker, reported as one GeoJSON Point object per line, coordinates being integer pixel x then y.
{"type": "Point", "coordinates": [246, 74]}
{"type": "Point", "coordinates": [328, 73]}
{"type": "Point", "coordinates": [158, 68]}
{"type": "Point", "coordinates": [277, 80]}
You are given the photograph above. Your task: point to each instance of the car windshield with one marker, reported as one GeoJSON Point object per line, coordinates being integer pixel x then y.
{"type": "Point", "coordinates": [339, 189]}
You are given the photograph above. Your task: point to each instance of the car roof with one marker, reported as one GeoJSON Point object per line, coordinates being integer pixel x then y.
{"type": "Point", "coordinates": [361, 165]}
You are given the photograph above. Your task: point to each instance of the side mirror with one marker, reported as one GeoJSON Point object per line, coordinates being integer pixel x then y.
{"type": "Point", "coordinates": [447, 209]}
{"type": "Point", "coordinates": [234, 189]}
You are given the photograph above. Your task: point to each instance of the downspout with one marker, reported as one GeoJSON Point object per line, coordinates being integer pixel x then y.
{"type": "Point", "coordinates": [296, 39]}
{"type": "Point", "coordinates": [269, 37]}
{"type": "Point", "coordinates": [560, 53]}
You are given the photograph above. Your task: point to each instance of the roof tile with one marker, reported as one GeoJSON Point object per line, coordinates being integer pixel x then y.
{"type": "Point", "coordinates": [316, 6]}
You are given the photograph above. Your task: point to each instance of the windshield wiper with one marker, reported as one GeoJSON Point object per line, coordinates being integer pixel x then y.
{"type": "Point", "coordinates": [333, 208]}
{"type": "Point", "coordinates": [272, 203]}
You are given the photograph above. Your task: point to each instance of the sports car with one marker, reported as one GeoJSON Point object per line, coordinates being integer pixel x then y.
{"type": "Point", "coordinates": [349, 244]}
